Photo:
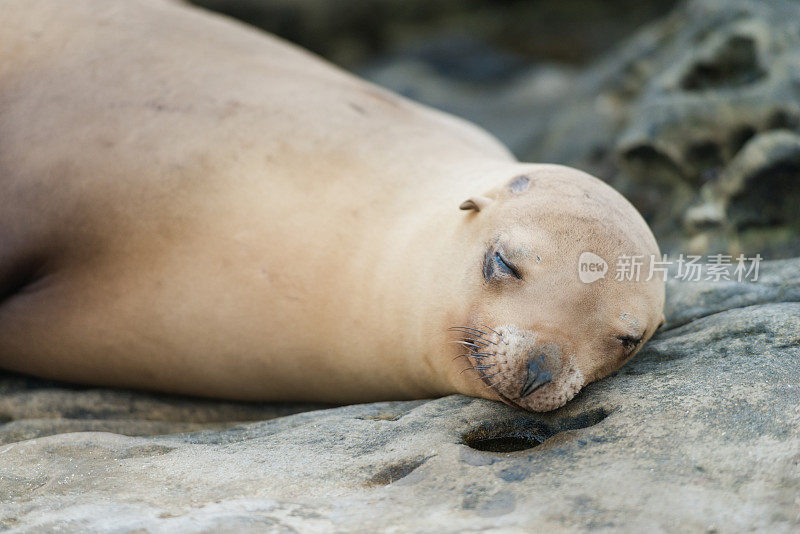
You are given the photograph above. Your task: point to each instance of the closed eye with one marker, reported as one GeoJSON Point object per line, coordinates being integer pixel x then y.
{"type": "Point", "coordinates": [505, 266]}
{"type": "Point", "coordinates": [496, 266]}
{"type": "Point", "coordinates": [630, 342]}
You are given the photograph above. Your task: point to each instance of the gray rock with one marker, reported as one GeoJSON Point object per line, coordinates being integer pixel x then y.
{"type": "Point", "coordinates": [699, 433]}
{"type": "Point", "coordinates": [697, 123]}
{"type": "Point", "coordinates": [31, 408]}
{"type": "Point", "coordinates": [696, 118]}
{"type": "Point", "coordinates": [351, 32]}
{"type": "Point", "coordinates": [516, 111]}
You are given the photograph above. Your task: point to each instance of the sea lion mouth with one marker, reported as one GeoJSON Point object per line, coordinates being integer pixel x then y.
{"type": "Point", "coordinates": [518, 370]}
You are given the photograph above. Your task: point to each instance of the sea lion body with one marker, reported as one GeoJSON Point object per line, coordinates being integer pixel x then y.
{"type": "Point", "coordinates": [189, 205]}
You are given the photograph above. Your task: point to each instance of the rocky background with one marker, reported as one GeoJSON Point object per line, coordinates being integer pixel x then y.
{"type": "Point", "coordinates": [692, 111]}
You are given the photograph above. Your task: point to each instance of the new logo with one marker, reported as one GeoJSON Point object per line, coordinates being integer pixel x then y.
{"type": "Point", "coordinates": [591, 267]}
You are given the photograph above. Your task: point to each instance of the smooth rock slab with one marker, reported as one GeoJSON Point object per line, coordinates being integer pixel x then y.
{"type": "Point", "coordinates": [701, 432]}
{"type": "Point", "coordinates": [32, 407]}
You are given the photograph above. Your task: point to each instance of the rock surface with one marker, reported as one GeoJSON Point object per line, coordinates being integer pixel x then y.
{"type": "Point", "coordinates": [699, 433]}
{"type": "Point", "coordinates": [31, 408]}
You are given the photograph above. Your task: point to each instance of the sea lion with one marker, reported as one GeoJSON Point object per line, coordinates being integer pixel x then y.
{"type": "Point", "coordinates": [190, 205]}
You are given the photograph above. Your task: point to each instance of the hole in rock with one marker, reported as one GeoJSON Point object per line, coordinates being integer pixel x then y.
{"type": "Point", "coordinates": [781, 119]}
{"type": "Point", "coordinates": [733, 64]}
{"type": "Point", "coordinates": [527, 432]}
{"type": "Point", "coordinates": [646, 162]}
{"type": "Point", "coordinates": [394, 472]}
{"type": "Point", "coordinates": [739, 137]}
{"type": "Point", "coordinates": [759, 205]}
{"type": "Point", "coordinates": [704, 155]}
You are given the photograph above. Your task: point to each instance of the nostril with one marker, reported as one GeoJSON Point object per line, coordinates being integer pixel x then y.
{"type": "Point", "coordinates": [537, 376]}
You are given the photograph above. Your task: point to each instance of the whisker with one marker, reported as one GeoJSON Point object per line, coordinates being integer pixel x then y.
{"type": "Point", "coordinates": [469, 340]}
{"type": "Point", "coordinates": [468, 355]}
{"type": "Point", "coordinates": [481, 340]}
{"type": "Point", "coordinates": [476, 368]}
{"type": "Point", "coordinates": [486, 341]}
{"type": "Point", "coordinates": [499, 381]}
{"type": "Point", "coordinates": [483, 366]}
{"type": "Point", "coordinates": [475, 332]}
{"type": "Point", "coordinates": [468, 344]}
{"type": "Point", "coordinates": [493, 330]}
{"type": "Point", "coordinates": [462, 328]}
{"type": "Point", "coordinates": [496, 383]}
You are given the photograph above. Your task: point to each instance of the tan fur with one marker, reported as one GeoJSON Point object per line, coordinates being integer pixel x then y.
{"type": "Point", "coordinates": [189, 205]}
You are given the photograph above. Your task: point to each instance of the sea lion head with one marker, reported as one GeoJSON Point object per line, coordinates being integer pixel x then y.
{"type": "Point", "coordinates": [559, 286]}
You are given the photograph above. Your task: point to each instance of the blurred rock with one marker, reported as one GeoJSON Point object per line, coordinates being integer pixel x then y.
{"type": "Point", "coordinates": [516, 110]}
{"type": "Point", "coordinates": [682, 111]}
{"type": "Point", "coordinates": [31, 408]}
{"type": "Point", "coordinates": [699, 433]}
{"type": "Point", "coordinates": [716, 84]}
{"type": "Point", "coordinates": [672, 118]}
{"type": "Point", "coordinates": [351, 32]}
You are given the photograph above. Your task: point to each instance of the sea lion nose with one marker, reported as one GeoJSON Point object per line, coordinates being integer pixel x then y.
{"type": "Point", "coordinates": [542, 364]}
{"type": "Point", "coordinates": [537, 376]}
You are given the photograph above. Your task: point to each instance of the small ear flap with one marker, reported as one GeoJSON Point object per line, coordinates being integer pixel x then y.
{"type": "Point", "coordinates": [476, 203]}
